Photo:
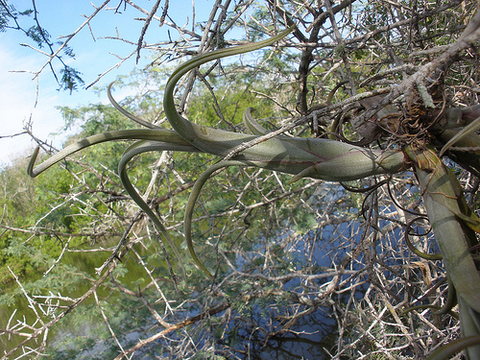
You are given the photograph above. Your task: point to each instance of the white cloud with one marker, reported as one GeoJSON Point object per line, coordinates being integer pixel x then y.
{"type": "Point", "coordinates": [17, 101]}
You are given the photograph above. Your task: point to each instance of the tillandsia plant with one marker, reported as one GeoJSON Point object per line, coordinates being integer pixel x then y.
{"type": "Point", "coordinates": [455, 225]}
{"type": "Point", "coordinates": [317, 158]}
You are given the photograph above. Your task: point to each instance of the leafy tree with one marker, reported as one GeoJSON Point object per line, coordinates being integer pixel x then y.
{"type": "Point", "coordinates": [12, 19]}
{"type": "Point", "coordinates": [386, 91]}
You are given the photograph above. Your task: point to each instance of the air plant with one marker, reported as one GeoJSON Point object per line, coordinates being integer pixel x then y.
{"type": "Point", "coordinates": [317, 158]}
{"type": "Point", "coordinates": [453, 222]}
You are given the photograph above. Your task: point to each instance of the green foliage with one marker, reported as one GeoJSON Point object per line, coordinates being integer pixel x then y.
{"type": "Point", "coordinates": [39, 35]}
{"type": "Point", "coordinates": [232, 106]}
{"type": "Point", "coordinates": [70, 78]}
{"type": "Point", "coordinates": [46, 202]}
{"type": "Point", "coordinates": [9, 13]}
{"type": "Point", "coordinates": [10, 19]}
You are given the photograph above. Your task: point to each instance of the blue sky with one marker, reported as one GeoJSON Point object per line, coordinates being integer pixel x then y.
{"type": "Point", "coordinates": [17, 89]}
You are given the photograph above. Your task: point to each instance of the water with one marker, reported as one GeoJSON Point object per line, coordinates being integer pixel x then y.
{"type": "Point", "coordinates": [310, 337]}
